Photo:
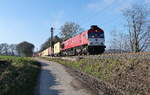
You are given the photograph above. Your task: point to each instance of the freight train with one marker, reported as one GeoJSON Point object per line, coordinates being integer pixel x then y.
{"type": "Point", "coordinates": [88, 42]}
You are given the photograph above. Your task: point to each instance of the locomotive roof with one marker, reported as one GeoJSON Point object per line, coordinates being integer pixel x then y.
{"type": "Point", "coordinates": [95, 27]}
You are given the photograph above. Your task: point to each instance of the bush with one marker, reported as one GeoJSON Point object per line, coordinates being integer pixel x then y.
{"type": "Point", "coordinates": [19, 77]}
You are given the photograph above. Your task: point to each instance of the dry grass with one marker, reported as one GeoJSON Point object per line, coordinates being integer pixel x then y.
{"type": "Point", "coordinates": [129, 73]}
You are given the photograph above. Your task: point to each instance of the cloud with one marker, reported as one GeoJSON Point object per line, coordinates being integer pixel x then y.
{"type": "Point", "coordinates": [109, 1]}
{"type": "Point", "coordinates": [118, 5]}
{"type": "Point", "coordinates": [130, 3]}
{"type": "Point", "coordinates": [98, 5]}
{"type": "Point", "coordinates": [123, 6]}
{"type": "Point", "coordinates": [93, 6]}
{"type": "Point", "coordinates": [147, 1]}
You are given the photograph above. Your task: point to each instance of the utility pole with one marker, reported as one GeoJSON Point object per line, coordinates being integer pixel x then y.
{"type": "Point", "coordinates": [52, 30]}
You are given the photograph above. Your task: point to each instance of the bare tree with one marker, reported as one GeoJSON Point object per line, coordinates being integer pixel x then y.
{"type": "Point", "coordinates": [1, 49]}
{"type": "Point", "coordinates": [12, 49]}
{"type": "Point", "coordinates": [125, 42]}
{"type": "Point", "coordinates": [113, 41]}
{"type": "Point", "coordinates": [6, 49]}
{"type": "Point", "coordinates": [136, 20]}
{"type": "Point", "coordinates": [119, 41]}
{"type": "Point", "coordinates": [69, 29]}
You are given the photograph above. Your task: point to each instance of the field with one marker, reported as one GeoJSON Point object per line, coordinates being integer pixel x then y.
{"type": "Point", "coordinates": [18, 76]}
{"type": "Point", "coordinates": [128, 73]}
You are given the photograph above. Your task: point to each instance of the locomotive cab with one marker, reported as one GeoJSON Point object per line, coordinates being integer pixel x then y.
{"type": "Point", "coordinates": [96, 40]}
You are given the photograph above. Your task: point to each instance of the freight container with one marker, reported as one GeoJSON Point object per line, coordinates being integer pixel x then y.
{"type": "Point", "coordinates": [57, 48]}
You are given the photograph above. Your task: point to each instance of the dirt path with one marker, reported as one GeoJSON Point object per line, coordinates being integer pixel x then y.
{"type": "Point", "coordinates": [54, 80]}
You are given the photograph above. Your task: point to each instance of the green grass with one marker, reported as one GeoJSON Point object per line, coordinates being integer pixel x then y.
{"type": "Point", "coordinates": [128, 74]}
{"type": "Point", "coordinates": [99, 68]}
{"type": "Point", "coordinates": [19, 77]}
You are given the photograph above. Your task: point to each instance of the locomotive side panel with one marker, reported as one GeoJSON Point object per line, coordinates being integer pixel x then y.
{"type": "Point", "coordinates": [75, 41]}
{"type": "Point", "coordinates": [84, 38]}
{"type": "Point", "coordinates": [78, 40]}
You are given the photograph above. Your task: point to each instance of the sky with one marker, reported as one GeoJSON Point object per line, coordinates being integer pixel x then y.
{"type": "Point", "coordinates": [30, 20]}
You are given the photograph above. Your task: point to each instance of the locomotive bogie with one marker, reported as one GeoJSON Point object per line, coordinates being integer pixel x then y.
{"type": "Point", "coordinates": [96, 49]}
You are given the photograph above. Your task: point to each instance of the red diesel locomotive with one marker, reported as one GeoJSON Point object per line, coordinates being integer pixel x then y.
{"type": "Point", "coordinates": [91, 41]}
{"type": "Point", "coordinates": [88, 42]}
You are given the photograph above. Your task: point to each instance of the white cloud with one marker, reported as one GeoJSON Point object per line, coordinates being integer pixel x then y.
{"type": "Point", "coordinates": [130, 3]}
{"type": "Point", "coordinates": [109, 1]}
{"type": "Point", "coordinates": [123, 6]}
{"type": "Point", "coordinates": [93, 5]}
{"type": "Point", "coordinates": [147, 1]}
{"type": "Point", "coordinates": [96, 6]}
{"type": "Point", "coordinates": [101, 4]}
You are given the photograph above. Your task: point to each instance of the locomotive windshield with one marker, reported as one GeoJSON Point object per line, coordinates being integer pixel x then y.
{"type": "Point", "coordinates": [95, 34]}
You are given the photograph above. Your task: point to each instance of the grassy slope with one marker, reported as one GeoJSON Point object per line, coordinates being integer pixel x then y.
{"type": "Point", "coordinates": [128, 74]}
{"type": "Point", "coordinates": [19, 77]}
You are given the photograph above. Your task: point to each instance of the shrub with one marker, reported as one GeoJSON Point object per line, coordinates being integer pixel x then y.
{"type": "Point", "coordinates": [20, 77]}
